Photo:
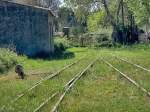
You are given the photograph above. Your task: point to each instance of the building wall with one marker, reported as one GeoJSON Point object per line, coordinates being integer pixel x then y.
{"type": "Point", "coordinates": [27, 28]}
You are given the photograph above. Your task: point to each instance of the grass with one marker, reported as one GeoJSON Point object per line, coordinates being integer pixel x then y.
{"type": "Point", "coordinates": [15, 85]}
{"type": "Point", "coordinates": [101, 90]}
{"type": "Point", "coordinates": [48, 87]}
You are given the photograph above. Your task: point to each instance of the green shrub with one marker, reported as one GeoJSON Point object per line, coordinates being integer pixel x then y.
{"type": "Point", "coordinates": [101, 37]}
{"type": "Point", "coordinates": [62, 41]}
{"type": "Point", "coordinates": [105, 44]}
{"type": "Point", "coordinates": [8, 59]}
{"type": "Point", "coordinates": [76, 31]}
{"type": "Point", "coordinates": [102, 40]}
{"type": "Point", "coordinates": [59, 53]}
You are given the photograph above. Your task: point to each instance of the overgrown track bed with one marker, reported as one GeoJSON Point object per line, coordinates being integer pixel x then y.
{"type": "Point", "coordinates": [67, 88]}
{"type": "Point", "coordinates": [55, 102]}
{"type": "Point", "coordinates": [136, 65]}
{"type": "Point", "coordinates": [42, 80]}
{"type": "Point", "coordinates": [47, 78]}
{"type": "Point", "coordinates": [128, 78]}
{"type": "Point", "coordinates": [139, 75]}
{"type": "Point", "coordinates": [46, 89]}
{"type": "Point", "coordinates": [102, 90]}
{"type": "Point", "coordinates": [11, 86]}
{"type": "Point", "coordinates": [71, 84]}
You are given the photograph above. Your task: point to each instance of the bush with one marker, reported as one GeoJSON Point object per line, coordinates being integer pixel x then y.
{"type": "Point", "coordinates": [102, 40]}
{"type": "Point", "coordinates": [59, 52]}
{"type": "Point", "coordinates": [76, 31]}
{"type": "Point", "coordinates": [63, 41]}
{"type": "Point", "coordinates": [8, 59]}
{"type": "Point", "coordinates": [61, 47]}
{"type": "Point", "coordinates": [68, 54]}
{"type": "Point", "coordinates": [102, 37]}
{"type": "Point", "coordinates": [105, 44]}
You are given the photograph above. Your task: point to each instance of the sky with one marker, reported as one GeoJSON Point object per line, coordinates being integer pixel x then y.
{"type": "Point", "coordinates": [61, 0]}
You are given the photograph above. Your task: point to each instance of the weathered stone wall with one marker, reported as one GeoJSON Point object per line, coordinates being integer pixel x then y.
{"type": "Point", "coordinates": [27, 28]}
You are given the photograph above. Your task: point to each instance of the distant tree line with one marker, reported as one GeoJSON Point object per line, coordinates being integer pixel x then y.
{"type": "Point", "coordinates": [125, 16]}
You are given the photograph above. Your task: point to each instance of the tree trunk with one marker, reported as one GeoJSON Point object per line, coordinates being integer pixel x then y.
{"type": "Point", "coordinates": [121, 33]}
{"type": "Point", "coordinates": [111, 19]}
{"type": "Point", "coordinates": [122, 8]}
{"type": "Point", "coordinates": [118, 11]}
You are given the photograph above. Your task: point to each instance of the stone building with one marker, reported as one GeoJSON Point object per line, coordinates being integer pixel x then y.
{"type": "Point", "coordinates": [28, 28]}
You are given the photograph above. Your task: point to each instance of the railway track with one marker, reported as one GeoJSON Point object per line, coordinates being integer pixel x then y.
{"type": "Point", "coordinates": [48, 88]}
{"type": "Point", "coordinates": [72, 82]}
{"type": "Point", "coordinates": [71, 85]}
{"type": "Point", "coordinates": [47, 78]}
{"type": "Point", "coordinates": [136, 65]}
{"type": "Point", "coordinates": [64, 68]}
{"type": "Point", "coordinates": [42, 80]}
{"type": "Point", "coordinates": [60, 94]}
{"type": "Point", "coordinates": [65, 82]}
{"type": "Point", "coordinates": [127, 77]}
{"type": "Point", "coordinates": [67, 88]}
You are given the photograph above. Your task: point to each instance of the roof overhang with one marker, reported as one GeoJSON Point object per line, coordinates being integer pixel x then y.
{"type": "Point", "coordinates": [36, 7]}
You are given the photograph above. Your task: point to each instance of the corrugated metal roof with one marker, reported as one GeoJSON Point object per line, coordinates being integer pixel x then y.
{"type": "Point", "coordinates": [38, 7]}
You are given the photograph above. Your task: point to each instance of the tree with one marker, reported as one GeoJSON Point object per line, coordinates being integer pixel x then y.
{"type": "Point", "coordinates": [51, 4]}
{"type": "Point", "coordinates": [63, 14]}
{"type": "Point", "coordinates": [96, 20]}
{"type": "Point", "coordinates": [123, 15]}
{"type": "Point", "coordinates": [82, 9]}
{"type": "Point", "coordinates": [123, 33]}
{"type": "Point", "coordinates": [141, 9]}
